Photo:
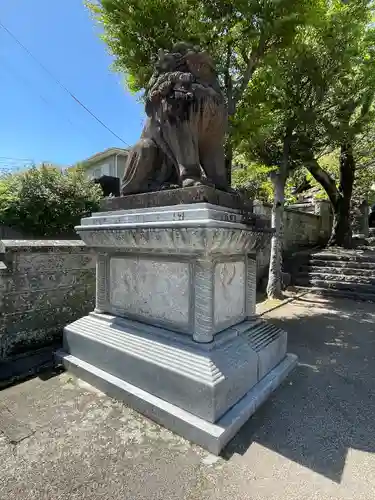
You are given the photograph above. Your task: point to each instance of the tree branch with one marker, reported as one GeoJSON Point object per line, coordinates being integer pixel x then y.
{"type": "Point", "coordinates": [228, 81]}
{"type": "Point", "coordinates": [365, 109]}
{"type": "Point", "coordinates": [244, 56]}
{"type": "Point", "coordinates": [285, 163]}
{"type": "Point", "coordinates": [252, 61]}
{"type": "Point", "coordinates": [324, 179]}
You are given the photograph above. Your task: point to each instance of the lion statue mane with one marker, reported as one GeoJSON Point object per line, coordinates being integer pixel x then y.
{"type": "Point", "coordinates": [182, 143]}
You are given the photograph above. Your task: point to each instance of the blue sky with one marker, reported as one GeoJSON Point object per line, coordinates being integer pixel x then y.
{"type": "Point", "coordinates": [64, 38]}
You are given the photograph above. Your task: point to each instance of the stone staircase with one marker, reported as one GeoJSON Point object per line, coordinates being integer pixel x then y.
{"type": "Point", "coordinates": [339, 272]}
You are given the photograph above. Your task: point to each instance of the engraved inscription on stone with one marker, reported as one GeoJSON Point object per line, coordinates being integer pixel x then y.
{"type": "Point", "coordinates": [229, 303]}
{"type": "Point", "coordinates": [153, 289]}
{"type": "Point", "coordinates": [228, 217]}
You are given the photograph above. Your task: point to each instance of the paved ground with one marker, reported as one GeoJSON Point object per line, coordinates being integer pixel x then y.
{"type": "Point", "coordinates": [315, 439]}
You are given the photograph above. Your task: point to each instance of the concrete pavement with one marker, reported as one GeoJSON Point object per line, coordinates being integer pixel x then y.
{"type": "Point", "coordinates": [314, 439]}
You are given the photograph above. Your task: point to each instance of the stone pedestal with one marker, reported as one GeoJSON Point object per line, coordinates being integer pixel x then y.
{"type": "Point", "coordinates": [174, 332]}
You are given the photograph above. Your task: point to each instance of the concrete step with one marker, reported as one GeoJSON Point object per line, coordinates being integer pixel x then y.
{"type": "Point", "coordinates": [345, 256]}
{"type": "Point", "coordinates": [344, 294]}
{"type": "Point", "coordinates": [336, 277]}
{"type": "Point", "coordinates": [338, 285]}
{"type": "Point", "coordinates": [338, 270]}
{"type": "Point", "coordinates": [344, 264]}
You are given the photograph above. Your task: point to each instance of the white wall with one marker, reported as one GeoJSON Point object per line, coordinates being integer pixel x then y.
{"type": "Point", "coordinates": [101, 168]}
{"type": "Point", "coordinates": [107, 166]}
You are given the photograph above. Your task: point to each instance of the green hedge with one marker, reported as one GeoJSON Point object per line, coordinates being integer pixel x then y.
{"type": "Point", "coordinates": [46, 201]}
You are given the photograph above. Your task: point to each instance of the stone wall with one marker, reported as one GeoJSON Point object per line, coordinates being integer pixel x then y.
{"type": "Point", "coordinates": [44, 284]}
{"type": "Point", "coordinates": [302, 229]}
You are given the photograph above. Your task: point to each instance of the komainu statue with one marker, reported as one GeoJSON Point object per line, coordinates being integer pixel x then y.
{"type": "Point", "coordinates": [182, 143]}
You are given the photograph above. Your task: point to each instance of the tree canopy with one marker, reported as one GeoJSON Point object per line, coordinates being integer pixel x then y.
{"type": "Point", "coordinates": [319, 92]}
{"type": "Point", "coordinates": [238, 34]}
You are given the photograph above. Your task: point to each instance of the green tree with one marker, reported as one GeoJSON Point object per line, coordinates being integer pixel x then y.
{"type": "Point", "coordinates": [314, 96]}
{"type": "Point", "coordinates": [364, 182]}
{"type": "Point", "coordinates": [267, 138]}
{"type": "Point", "coordinates": [344, 111]}
{"type": "Point", "coordinates": [364, 151]}
{"type": "Point", "coordinates": [45, 201]}
{"type": "Point", "coordinates": [252, 179]}
{"type": "Point", "coordinates": [239, 35]}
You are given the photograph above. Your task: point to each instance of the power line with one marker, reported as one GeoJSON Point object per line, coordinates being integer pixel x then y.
{"type": "Point", "coordinates": [46, 70]}
{"type": "Point", "coordinates": [28, 84]}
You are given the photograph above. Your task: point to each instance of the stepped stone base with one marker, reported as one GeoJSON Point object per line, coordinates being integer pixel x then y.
{"type": "Point", "coordinates": [174, 332]}
{"type": "Point", "coordinates": [212, 437]}
{"type": "Point", "coordinates": [204, 392]}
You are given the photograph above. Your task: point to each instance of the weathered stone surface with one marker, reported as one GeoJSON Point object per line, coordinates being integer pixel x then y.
{"type": "Point", "coordinates": [34, 280]}
{"type": "Point", "coordinates": [175, 266]}
{"type": "Point", "coordinates": [204, 381]}
{"type": "Point", "coordinates": [43, 285]}
{"type": "Point", "coordinates": [21, 302]}
{"type": "Point", "coordinates": [360, 217]}
{"type": "Point", "coordinates": [229, 292]}
{"type": "Point", "coordinates": [301, 229]}
{"type": "Point", "coordinates": [189, 195]}
{"type": "Point", "coordinates": [25, 365]}
{"type": "Point", "coordinates": [349, 273]}
{"type": "Point", "coordinates": [157, 290]}
{"type": "Point", "coordinates": [201, 228]}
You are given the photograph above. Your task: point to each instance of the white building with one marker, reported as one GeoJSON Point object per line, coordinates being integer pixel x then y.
{"type": "Point", "coordinates": [108, 162]}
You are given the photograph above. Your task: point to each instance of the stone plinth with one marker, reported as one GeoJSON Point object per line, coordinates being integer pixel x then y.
{"type": "Point", "coordinates": [188, 268]}
{"type": "Point", "coordinates": [174, 331]}
{"type": "Point", "coordinates": [180, 196]}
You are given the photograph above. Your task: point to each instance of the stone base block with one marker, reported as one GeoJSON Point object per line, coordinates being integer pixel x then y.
{"type": "Point", "coordinates": [211, 436]}
{"type": "Point", "coordinates": [203, 379]}
{"type": "Point", "coordinates": [199, 383]}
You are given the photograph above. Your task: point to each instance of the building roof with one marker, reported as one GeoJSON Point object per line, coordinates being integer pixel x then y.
{"type": "Point", "coordinates": [104, 154]}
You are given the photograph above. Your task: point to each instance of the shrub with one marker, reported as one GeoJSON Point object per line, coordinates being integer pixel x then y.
{"type": "Point", "coordinates": [45, 201]}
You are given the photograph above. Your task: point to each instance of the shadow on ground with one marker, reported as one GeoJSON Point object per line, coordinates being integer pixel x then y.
{"type": "Point", "coordinates": [327, 405]}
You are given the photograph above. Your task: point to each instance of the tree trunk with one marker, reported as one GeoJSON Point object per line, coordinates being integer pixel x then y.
{"type": "Point", "coordinates": [341, 234]}
{"type": "Point", "coordinates": [278, 178]}
{"type": "Point", "coordinates": [340, 197]}
{"type": "Point", "coordinates": [274, 285]}
{"type": "Point", "coordinates": [342, 229]}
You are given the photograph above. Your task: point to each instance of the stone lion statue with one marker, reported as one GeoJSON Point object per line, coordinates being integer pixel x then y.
{"type": "Point", "coordinates": [182, 143]}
